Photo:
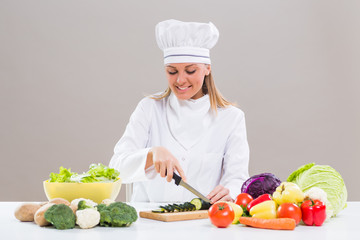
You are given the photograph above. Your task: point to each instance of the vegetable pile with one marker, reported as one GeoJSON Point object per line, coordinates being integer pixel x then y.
{"type": "Point", "coordinates": [96, 173]}
{"type": "Point", "coordinates": [82, 212]}
{"type": "Point", "coordinates": [311, 195]}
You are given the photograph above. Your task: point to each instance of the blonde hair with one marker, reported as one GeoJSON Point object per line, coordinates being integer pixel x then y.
{"type": "Point", "coordinates": [216, 99]}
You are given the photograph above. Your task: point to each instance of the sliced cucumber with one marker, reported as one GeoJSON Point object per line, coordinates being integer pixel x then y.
{"type": "Point", "coordinates": [197, 203]}
{"type": "Point", "coordinates": [172, 208]}
{"type": "Point", "coordinates": [166, 208]}
{"type": "Point", "coordinates": [200, 204]}
{"type": "Point", "coordinates": [190, 206]}
{"type": "Point", "coordinates": [182, 207]}
{"type": "Point", "coordinates": [160, 210]}
{"type": "Point", "coordinates": [186, 206]}
{"type": "Point", "coordinates": [177, 207]}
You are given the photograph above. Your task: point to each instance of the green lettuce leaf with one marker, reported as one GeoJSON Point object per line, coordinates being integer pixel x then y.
{"type": "Point", "coordinates": [64, 175]}
{"type": "Point", "coordinates": [101, 172]}
{"type": "Point", "coordinates": [96, 173]}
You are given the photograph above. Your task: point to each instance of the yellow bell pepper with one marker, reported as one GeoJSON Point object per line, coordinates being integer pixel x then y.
{"type": "Point", "coordinates": [265, 210]}
{"type": "Point", "coordinates": [288, 192]}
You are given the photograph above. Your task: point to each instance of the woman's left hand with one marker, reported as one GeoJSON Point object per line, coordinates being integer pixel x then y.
{"type": "Point", "coordinates": [220, 193]}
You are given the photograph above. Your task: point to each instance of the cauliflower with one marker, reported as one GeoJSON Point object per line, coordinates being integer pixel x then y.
{"type": "Point", "coordinates": [107, 202]}
{"type": "Point", "coordinates": [87, 218]}
{"type": "Point", "coordinates": [87, 215]}
{"type": "Point", "coordinates": [88, 202]}
{"type": "Point", "coordinates": [317, 193]}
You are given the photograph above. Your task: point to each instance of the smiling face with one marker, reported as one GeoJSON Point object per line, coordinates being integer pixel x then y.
{"type": "Point", "coordinates": [186, 79]}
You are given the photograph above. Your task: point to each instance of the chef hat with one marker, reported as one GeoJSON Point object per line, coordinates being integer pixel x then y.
{"type": "Point", "coordinates": [186, 41]}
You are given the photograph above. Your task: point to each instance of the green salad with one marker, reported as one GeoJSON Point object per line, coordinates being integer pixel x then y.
{"type": "Point", "coordinates": [96, 173]}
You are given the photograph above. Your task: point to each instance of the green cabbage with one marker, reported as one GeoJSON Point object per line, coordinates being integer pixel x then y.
{"type": "Point", "coordinates": [326, 178]}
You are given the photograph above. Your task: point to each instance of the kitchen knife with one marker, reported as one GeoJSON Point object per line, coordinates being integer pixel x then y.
{"type": "Point", "coordinates": [179, 181]}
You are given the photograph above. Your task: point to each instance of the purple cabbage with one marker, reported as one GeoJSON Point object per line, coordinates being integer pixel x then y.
{"type": "Point", "coordinates": [260, 184]}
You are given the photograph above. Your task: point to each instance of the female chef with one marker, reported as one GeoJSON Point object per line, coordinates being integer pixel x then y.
{"type": "Point", "coordinates": [189, 128]}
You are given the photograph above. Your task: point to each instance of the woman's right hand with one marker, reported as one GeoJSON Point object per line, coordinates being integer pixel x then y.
{"type": "Point", "coordinates": [165, 163]}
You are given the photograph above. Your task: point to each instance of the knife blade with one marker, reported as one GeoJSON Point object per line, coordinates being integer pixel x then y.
{"type": "Point", "coordinates": [179, 181]}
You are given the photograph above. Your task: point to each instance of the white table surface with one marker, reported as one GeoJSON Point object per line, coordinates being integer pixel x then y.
{"type": "Point", "coordinates": [345, 226]}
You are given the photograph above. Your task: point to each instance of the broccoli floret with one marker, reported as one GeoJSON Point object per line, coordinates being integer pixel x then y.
{"type": "Point", "coordinates": [82, 205]}
{"type": "Point", "coordinates": [117, 214]}
{"type": "Point", "coordinates": [61, 216]}
{"type": "Point", "coordinates": [101, 207]}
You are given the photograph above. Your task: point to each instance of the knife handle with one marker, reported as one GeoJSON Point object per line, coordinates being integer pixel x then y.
{"type": "Point", "coordinates": [177, 178]}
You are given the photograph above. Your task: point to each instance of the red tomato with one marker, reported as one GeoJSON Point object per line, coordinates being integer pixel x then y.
{"type": "Point", "coordinates": [221, 214]}
{"type": "Point", "coordinates": [243, 199]}
{"type": "Point", "coordinates": [289, 210]}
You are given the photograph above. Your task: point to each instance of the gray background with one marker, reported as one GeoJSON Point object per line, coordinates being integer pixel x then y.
{"type": "Point", "coordinates": [72, 72]}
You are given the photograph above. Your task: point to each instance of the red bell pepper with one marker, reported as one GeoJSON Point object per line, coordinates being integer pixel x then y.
{"type": "Point", "coordinates": [260, 199]}
{"type": "Point", "coordinates": [313, 212]}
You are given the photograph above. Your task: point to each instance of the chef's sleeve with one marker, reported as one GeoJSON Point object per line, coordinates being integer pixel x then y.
{"type": "Point", "coordinates": [236, 158]}
{"type": "Point", "coordinates": [130, 152]}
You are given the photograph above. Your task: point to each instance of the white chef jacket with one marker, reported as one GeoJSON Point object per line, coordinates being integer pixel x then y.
{"type": "Point", "coordinates": [218, 155]}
